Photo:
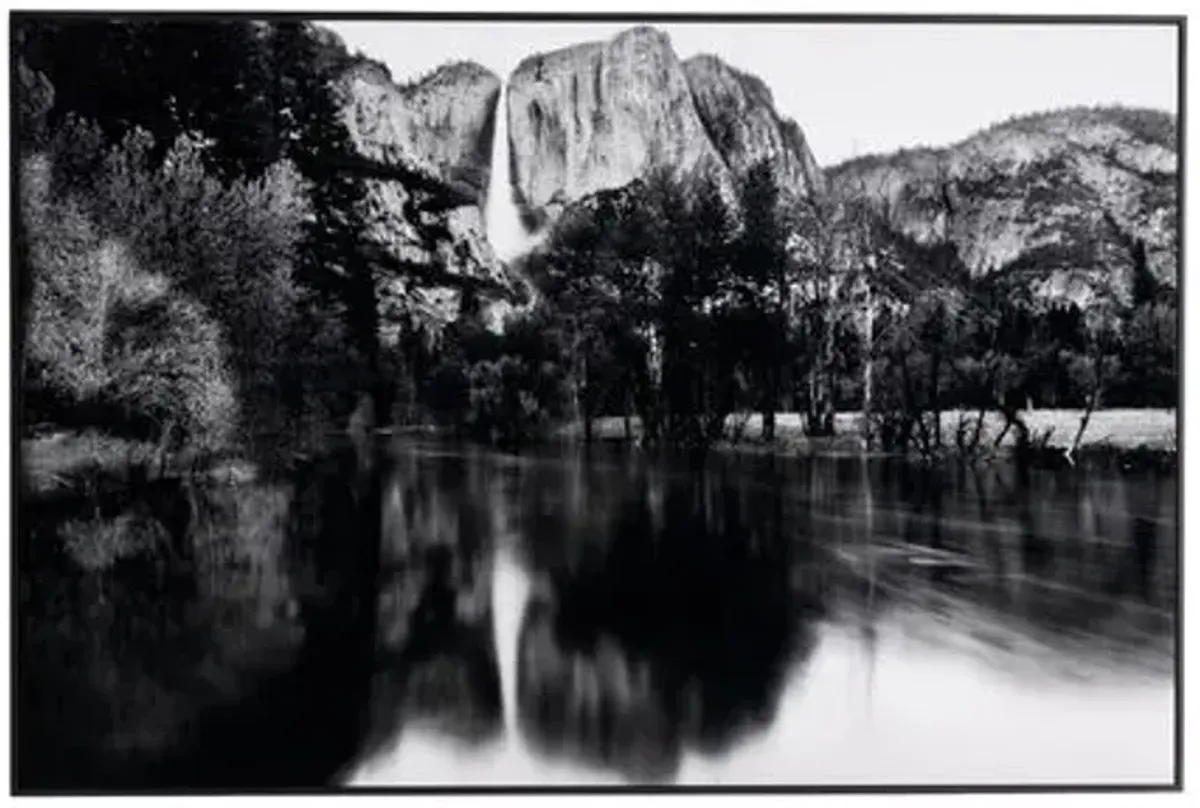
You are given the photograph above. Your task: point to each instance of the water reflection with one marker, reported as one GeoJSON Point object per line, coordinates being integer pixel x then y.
{"type": "Point", "coordinates": [677, 622]}
{"type": "Point", "coordinates": [664, 639]}
{"type": "Point", "coordinates": [446, 616]}
{"type": "Point", "coordinates": [186, 633]}
{"type": "Point", "coordinates": [435, 661]}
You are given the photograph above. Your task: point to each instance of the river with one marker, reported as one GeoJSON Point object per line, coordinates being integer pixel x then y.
{"type": "Point", "coordinates": [788, 622]}
{"type": "Point", "coordinates": [599, 617]}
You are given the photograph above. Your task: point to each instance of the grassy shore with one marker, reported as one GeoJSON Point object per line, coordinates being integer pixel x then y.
{"type": "Point", "coordinates": [1125, 429]}
{"type": "Point", "coordinates": [51, 461]}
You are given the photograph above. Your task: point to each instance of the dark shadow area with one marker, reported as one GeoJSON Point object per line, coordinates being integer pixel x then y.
{"type": "Point", "coordinates": [435, 656]}
{"type": "Point", "coordinates": [244, 666]}
{"type": "Point", "coordinates": [679, 634]}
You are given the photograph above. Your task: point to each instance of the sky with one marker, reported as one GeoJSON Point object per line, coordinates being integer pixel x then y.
{"type": "Point", "coordinates": [854, 89]}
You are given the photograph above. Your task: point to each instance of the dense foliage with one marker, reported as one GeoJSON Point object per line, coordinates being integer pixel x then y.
{"type": "Point", "coordinates": [679, 304]}
{"type": "Point", "coordinates": [196, 168]}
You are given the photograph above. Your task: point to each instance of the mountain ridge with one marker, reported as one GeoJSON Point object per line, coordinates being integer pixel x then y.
{"type": "Point", "coordinates": [1058, 193]}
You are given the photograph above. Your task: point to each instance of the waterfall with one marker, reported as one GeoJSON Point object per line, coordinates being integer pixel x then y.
{"type": "Point", "coordinates": [505, 230]}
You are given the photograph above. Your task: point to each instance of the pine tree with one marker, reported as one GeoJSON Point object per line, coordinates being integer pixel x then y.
{"type": "Point", "coordinates": [761, 270]}
{"type": "Point", "coordinates": [332, 262]}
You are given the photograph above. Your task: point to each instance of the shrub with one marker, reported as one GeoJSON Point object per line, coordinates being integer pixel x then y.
{"type": "Point", "coordinates": [229, 246]}
{"type": "Point", "coordinates": [65, 317]}
{"type": "Point", "coordinates": [112, 341]}
{"type": "Point", "coordinates": [164, 359]}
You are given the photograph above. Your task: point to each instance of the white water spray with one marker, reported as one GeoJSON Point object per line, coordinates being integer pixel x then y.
{"type": "Point", "coordinates": [505, 230]}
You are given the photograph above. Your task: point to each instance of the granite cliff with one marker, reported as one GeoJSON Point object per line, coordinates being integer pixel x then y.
{"type": "Point", "coordinates": [600, 115]}
{"type": "Point", "coordinates": [1059, 197]}
{"type": "Point", "coordinates": [424, 149]}
{"type": "Point", "coordinates": [739, 116]}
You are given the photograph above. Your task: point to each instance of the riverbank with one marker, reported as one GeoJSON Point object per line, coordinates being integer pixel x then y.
{"type": "Point", "coordinates": [1116, 430]}
{"type": "Point", "coordinates": [49, 460]}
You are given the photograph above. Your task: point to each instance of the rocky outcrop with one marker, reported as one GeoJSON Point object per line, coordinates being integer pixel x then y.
{"type": "Point", "coordinates": [441, 124]}
{"type": "Point", "coordinates": [738, 113]}
{"type": "Point", "coordinates": [599, 115]}
{"type": "Point", "coordinates": [424, 150]}
{"type": "Point", "coordinates": [1060, 197]}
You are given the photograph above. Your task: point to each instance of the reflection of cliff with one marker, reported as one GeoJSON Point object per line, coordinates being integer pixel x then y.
{"type": "Point", "coordinates": [672, 639]}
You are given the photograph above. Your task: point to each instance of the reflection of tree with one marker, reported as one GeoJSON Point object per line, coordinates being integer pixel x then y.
{"type": "Point", "coordinates": [169, 695]}
{"type": "Point", "coordinates": [105, 588]}
{"type": "Point", "coordinates": [436, 661]}
{"type": "Point", "coordinates": [1135, 572]}
{"type": "Point", "coordinates": [1072, 554]}
{"type": "Point", "coordinates": [217, 691]}
{"type": "Point", "coordinates": [671, 638]}
{"type": "Point", "coordinates": [299, 726]}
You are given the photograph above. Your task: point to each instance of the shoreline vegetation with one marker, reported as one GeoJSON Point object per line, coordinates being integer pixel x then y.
{"type": "Point", "coordinates": [1128, 435]}
{"type": "Point", "coordinates": [1120, 430]}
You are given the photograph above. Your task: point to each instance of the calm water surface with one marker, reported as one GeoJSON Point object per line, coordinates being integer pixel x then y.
{"type": "Point", "coordinates": [449, 615]}
{"type": "Point", "coordinates": [603, 619]}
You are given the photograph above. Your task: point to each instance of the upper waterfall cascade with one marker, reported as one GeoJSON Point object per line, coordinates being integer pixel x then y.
{"type": "Point", "coordinates": [505, 230]}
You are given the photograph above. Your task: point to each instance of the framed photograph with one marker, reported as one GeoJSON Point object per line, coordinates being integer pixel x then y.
{"type": "Point", "coordinates": [582, 402]}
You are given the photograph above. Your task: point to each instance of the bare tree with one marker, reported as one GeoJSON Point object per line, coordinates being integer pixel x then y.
{"type": "Point", "coordinates": [866, 223]}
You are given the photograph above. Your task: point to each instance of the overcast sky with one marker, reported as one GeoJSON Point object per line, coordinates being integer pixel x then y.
{"type": "Point", "coordinates": [854, 89]}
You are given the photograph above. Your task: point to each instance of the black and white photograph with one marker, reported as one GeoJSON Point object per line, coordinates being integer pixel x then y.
{"type": "Point", "coordinates": [502, 402]}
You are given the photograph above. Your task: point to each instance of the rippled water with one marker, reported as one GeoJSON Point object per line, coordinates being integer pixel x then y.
{"type": "Point", "coordinates": [803, 622]}
{"type": "Point", "coordinates": [459, 616]}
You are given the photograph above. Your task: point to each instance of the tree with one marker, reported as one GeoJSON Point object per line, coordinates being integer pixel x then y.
{"type": "Point", "coordinates": [332, 263]}
{"type": "Point", "coordinates": [109, 345]}
{"type": "Point", "coordinates": [874, 263]}
{"type": "Point", "coordinates": [694, 254]}
{"type": "Point", "coordinates": [763, 286]}
{"type": "Point", "coordinates": [168, 79]}
{"type": "Point", "coordinates": [819, 259]}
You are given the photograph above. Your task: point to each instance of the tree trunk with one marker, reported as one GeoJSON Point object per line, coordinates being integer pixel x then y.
{"type": "Point", "coordinates": [768, 409]}
{"type": "Point", "coordinates": [587, 403]}
{"type": "Point", "coordinates": [576, 404]}
{"type": "Point", "coordinates": [825, 406]}
{"type": "Point", "coordinates": [935, 398]}
{"type": "Point", "coordinates": [868, 348]}
{"type": "Point", "coordinates": [812, 407]}
{"type": "Point", "coordinates": [1092, 402]}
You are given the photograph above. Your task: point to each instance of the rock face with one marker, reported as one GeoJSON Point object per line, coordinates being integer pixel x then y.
{"type": "Point", "coordinates": [429, 138]}
{"type": "Point", "coordinates": [597, 116]}
{"type": "Point", "coordinates": [1060, 197]}
{"type": "Point", "coordinates": [738, 113]}
{"type": "Point", "coordinates": [441, 124]}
